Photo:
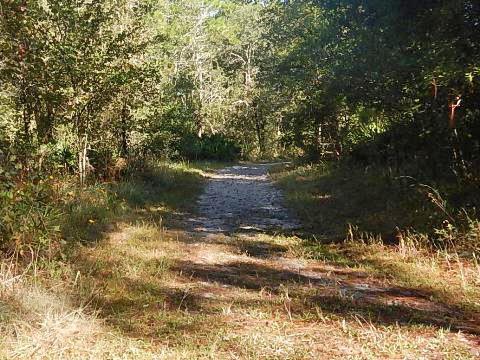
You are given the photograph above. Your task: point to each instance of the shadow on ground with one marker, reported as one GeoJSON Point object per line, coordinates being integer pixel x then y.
{"type": "Point", "coordinates": [162, 196]}
{"type": "Point", "coordinates": [341, 296]}
{"type": "Point", "coordinates": [186, 297]}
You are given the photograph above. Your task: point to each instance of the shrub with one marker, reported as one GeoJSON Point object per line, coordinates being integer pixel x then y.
{"type": "Point", "coordinates": [209, 147]}
{"type": "Point", "coordinates": [28, 216]}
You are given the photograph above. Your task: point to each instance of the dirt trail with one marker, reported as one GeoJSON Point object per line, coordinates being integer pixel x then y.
{"type": "Point", "coordinates": [269, 292]}
{"type": "Point", "coordinates": [237, 283]}
{"type": "Point", "coordinates": [242, 198]}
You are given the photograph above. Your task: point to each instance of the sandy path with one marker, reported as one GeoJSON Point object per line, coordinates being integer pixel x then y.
{"type": "Point", "coordinates": [237, 269]}
{"type": "Point", "coordinates": [242, 198]}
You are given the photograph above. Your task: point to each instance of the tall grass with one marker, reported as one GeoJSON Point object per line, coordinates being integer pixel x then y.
{"type": "Point", "coordinates": [335, 201]}
{"type": "Point", "coordinates": [50, 281]}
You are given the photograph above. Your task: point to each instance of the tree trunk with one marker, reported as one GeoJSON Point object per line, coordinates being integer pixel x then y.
{"type": "Point", "coordinates": [26, 121]}
{"type": "Point", "coordinates": [124, 131]}
{"type": "Point", "coordinates": [458, 154]}
{"type": "Point", "coordinates": [82, 158]}
{"type": "Point", "coordinates": [259, 128]}
{"type": "Point", "coordinates": [44, 123]}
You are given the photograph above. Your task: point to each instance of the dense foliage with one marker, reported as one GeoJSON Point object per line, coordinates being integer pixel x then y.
{"type": "Point", "coordinates": [90, 87]}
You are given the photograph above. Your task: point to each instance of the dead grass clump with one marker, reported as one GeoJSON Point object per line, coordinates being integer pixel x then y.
{"type": "Point", "coordinates": [41, 324]}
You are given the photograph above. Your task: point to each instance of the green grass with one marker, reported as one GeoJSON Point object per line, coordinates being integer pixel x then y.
{"type": "Point", "coordinates": [337, 202]}
{"type": "Point", "coordinates": [163, 193]}
{"type": "Point", "coordinates": [105, 258]}
{"type": "Point", "coordinates": [328, 199]}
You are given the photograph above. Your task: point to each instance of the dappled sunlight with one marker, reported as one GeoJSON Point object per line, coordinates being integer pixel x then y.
{"type": "Point", "coordinates": [40, 323]}
{"type": "Point", "coordinates": [169, 287]}
{"type": "Point", "coordinates": [329, 198]}
{"type": "Point", "coordinates": [225, 179]}
{"type": "Point", "coordinates": [145, 288]}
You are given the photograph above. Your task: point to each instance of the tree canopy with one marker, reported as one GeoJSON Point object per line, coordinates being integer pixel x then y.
{"type": "Point", "coordinates": [84, 83]}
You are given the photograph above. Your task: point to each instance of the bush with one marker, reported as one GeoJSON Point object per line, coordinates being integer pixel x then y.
{"type": "Point", "coordinates": [28, 216]}
{"type": "Point", "coordinates": [209, 147]}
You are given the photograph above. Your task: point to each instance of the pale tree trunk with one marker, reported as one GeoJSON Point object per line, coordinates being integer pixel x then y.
{"type": "Point", "coordinates": [200, 124]}
{"type": "Point", "coordinates": [458, 154]}
{"type": "Point", "coordinates": [125, 117]}
{"type": "Point", "coordinates": [82, 146]}
{"type": "Point", "coordinates": [200, 56]}
{"type": "Point", "coordinates": [319, 139]}
{"type": "Point", "coordinates": [82, 158]}
{"type": "Point", "coordinates": [259, 127]}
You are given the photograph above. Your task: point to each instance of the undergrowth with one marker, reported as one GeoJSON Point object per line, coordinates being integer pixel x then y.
{"type": "Point", "coordinates": [337, 202]}
{"type": "Point", "coordinates": [53, 236]}
{"type": "Point", "coordinates": [411, 233]}
{"type": "Point", "coordinates": [40, 213]}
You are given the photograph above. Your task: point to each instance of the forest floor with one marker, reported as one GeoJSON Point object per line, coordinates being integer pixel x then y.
{"type": "Point", "coordinates": [171, 282]}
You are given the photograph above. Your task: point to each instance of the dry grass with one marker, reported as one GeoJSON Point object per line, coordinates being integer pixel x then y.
{"type": "Point", "coordinates": [143, 291]}
{"type": "Point", "coordinates": [336, 201]}
{"type": "Point", "coordinates": [146, 293]}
